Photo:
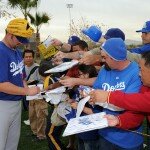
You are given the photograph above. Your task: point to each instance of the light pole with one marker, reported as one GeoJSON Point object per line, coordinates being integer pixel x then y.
{"type": "Point", "coordinates": [69, 6]}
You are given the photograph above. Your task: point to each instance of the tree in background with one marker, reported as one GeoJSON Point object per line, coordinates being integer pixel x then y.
{"type": "Point", "coordinates": [25, 6]}
{"type": "Point", "coordinates": [4, 11]}
{"type": "Point", "coordinates": [38, 21]}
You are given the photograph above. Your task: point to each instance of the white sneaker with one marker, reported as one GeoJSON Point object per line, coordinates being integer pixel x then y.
{"type": "Point", "coordinates": [144, 145]}
{"type": "Point", "coordinates": [27, 122]}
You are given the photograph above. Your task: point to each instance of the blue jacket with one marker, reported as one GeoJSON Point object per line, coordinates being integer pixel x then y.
{"type": "Point", "coordinates": [142, 49]}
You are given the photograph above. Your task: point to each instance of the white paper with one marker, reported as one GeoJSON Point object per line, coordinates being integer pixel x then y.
{"type": "Point", "coordinates": [57, 95]}
{"type": "Point", "coordinates": [48, 42]}
{"type": "Point", "coordinates": [61, 89]}
{"type": "Point", "coordinates": [55, 98]}
{"type": "Point", "coordinates": [86, 123]}
{"type": "Point", "coordinates": [63, 67]}
{"type": "Point", "coordinates": [81, 105]}
{"type": "Point", "coordinates": [37, 96]}
{"type": "Point", "coordinates": [40, 86]}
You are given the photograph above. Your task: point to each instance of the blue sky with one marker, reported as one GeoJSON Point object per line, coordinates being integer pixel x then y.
{"type": "Point", "coordinates": [128, 15]}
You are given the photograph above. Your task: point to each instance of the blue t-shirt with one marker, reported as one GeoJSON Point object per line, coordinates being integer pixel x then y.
{"type": "Point", "coordinates": [127, 80]}
{"type": "Point", "coordinates": [11, 70]}
{"type": "Point", "coordinates": [142, 49]}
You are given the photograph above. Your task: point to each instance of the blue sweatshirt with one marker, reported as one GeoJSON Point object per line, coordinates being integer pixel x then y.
{"type": "Point", "coordinates": [142, 49]}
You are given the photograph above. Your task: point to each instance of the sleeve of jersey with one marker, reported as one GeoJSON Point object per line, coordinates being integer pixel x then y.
{"type": "Point", "coordinates": [141, 49]}
{"type": "Point", "coordinates": [130, 120]}
{"type": "Point", "coordinates": [3, 68]}
{"type": "Point", "coordinates": [135, 102]}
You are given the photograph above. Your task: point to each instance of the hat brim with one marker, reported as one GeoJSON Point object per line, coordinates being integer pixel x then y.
{"type": "Point", "coordinates": [143, 30]}
{"type": "Point", "coordinates": [73, 40]}
{"type": "Point", "coordinates": [22, 40]}
{"type": "Point", "coordinates": [85, 31]}
{"type": "Point", "coordinates": [106, 37]}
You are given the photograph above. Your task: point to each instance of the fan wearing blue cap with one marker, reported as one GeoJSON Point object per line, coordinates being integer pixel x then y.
{"type": "Point", "coordinates": [115, 48]}
{"type": "Point", "coordinates": [66, 47]}
{"type": "Point", "coordinates": [95, 33]}
{"type": "Point", "coordinates": [95, 57]}
{"type": "Point", "coordinates": [114, 33]}
{"type": "Point", "coordinates": [123, 76]}
{"type": "Point", "coordinates": [73, 39]}
{"type": "Point", "coordinates": [145, 39]}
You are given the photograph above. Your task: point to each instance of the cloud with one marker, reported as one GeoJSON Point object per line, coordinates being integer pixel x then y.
{"type": "Point", "coordinates": [125, 14]}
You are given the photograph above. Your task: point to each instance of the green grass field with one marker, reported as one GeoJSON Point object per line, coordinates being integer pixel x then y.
{"type": "Point", "coordinates": [27, 142]}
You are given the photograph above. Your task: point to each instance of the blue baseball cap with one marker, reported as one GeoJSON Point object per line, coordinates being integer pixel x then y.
{"type": "Point", "coordinates": [114, 33]}
{"type": "Point", "coordinates": [146, 27]}
{"type": "Point", "coordinates": [93, 32]}
{"type": "Point", "coordinates": [115, 48]}
{"type": "Point", "coordinates": [22, 39]}
{"type": "Point", "coordinates": [73, 39]}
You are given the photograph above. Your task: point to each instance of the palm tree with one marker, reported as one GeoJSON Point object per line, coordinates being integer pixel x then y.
{"type": "Point", "coordinates": [24, 5]}
{"type": "Point", "coordinates": [38, 21]}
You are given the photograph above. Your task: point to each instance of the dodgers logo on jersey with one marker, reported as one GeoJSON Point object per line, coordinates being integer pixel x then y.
{"type": "Point", "coordinates": [16, 68]}
{"type": "Point", "coordinates": [118, 86]}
